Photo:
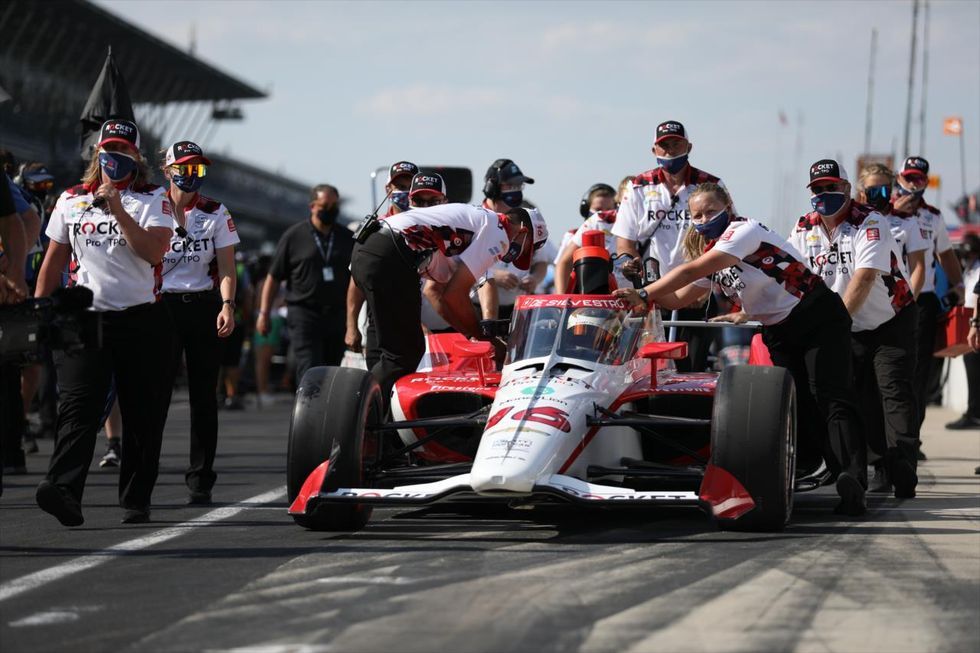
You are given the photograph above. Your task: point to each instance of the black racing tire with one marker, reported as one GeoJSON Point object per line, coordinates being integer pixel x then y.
{"type": "Point", "coordinates": [333, 407]}
{"type": "Point", "coordinates": [753, 437]}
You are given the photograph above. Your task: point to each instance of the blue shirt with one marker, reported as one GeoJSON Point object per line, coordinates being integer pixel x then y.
{"type": "Point", "coordinates": [21, 203]}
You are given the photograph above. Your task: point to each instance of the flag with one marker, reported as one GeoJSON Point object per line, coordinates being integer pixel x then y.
{"type": "Point", "coordinates": [109, 98]}
{"type": "Point", "coordinates": [953, 126]}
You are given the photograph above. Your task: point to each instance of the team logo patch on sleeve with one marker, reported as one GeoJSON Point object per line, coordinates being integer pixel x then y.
{"type": "Point", "coordinates": [231, 225]}
{"type": "Point", "coordinates": [166, 208]}
{"type": "Point", "coordinates": [873, 234]}
{"type": "Point", "coordinates": [727, 235]}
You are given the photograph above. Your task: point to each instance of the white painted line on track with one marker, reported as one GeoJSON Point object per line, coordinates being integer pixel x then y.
{"type": "Point", "coordinates": [43, 577]}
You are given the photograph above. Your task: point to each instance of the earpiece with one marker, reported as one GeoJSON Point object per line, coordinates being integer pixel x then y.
{"type": "Point", "coordinates": [583, 206]}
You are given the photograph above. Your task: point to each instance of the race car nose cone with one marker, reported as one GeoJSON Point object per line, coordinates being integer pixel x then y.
{"type": "Point", "coordinates": [501, 483]}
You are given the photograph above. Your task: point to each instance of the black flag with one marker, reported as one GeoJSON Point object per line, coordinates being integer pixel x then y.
{"type": "Point", "coordinates": [109, 99]}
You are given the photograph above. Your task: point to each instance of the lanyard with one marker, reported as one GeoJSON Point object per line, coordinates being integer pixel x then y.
{"type": "Point", "coordinates": [319, 245]}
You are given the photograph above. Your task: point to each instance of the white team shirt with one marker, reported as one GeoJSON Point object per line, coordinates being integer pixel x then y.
{"type": "Point", "coordinates": [507, 297]}
{"type": "Point", "coordinates": [905, 230]}
{"type": "Point", "coordinates": [770, 279]}
{"type": "Point", "coordinates": [932, 228]}
{"type": "Point", "coordinates": [473, 234]}
{"type": "Point", "coordinates": [106, 264]}
{"type": "Point", "coordinates": [190, 264]}
{"type": "Point", "coordinates": [862, 241]}
{"type": "Point", "coordinates": [649, 211]}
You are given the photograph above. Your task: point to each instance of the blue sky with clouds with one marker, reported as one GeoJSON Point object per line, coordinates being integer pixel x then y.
{"type": "Point", "coordinates": [572, 91]}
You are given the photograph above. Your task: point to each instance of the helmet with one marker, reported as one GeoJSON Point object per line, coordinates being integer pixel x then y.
{"type": "Point", "coordinates": [593, 328]}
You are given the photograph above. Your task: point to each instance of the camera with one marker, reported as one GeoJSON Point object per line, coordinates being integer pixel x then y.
{"type": "Point", "coordinates": [58, 322]}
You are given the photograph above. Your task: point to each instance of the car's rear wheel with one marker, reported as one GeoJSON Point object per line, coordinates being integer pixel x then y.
{"type": "Point", "coordinates": [753, 438]}
{"type": "Point", "coordinates": [333, 411]}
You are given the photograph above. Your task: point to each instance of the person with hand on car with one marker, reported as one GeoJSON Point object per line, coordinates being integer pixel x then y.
{"type": "Point", "coordinates": [655, 209]}
{"type": "Point", "coordinates": [116, 227]}
{"type": "Point", "coordinates": [805, 324]}
{"type": "Point", "coordinates": [198, 289]}
{"type": "Point", "coordinates": [390, 260]}
{"type": "Point", "coordinates": [851, 247]}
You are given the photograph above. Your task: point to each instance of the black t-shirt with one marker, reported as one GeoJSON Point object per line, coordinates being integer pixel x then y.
{"type": "Point", "coordinates": [316, 275]}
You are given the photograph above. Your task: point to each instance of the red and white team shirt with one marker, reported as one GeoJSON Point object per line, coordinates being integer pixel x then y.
{"type": "Point", "coordinates": [933, 230]}
{"type": "Point", "coordinates": [863, 240]}
{"type": "Point", "coordinates": [507, 297]}
{"type": "Point", "coordinates": [905, 230]}
{"type": "Point", "coordinates": [649, 211]}
{"type": "Point", "coordinates": [473, 234]}
{"type": "Point", "coordinates": [103, 260]}
{"type": "Point", "coordinates": [770, 279]}
{"type": "Point", "coordinates": [190, 265]}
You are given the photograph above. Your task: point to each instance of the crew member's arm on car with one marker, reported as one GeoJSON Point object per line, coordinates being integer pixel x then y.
{"type": "Point", "coordinates": [453, 303]}
{"type": "Point", "coordinates": [489, 296]}
{"type": "Point", "coordinates": [677, 288]}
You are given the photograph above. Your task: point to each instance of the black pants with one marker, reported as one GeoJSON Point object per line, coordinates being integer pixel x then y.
{"type": "Point", "coordinates": [11, 419]}
{"type": "Point", "coordinates": [698, 339]}
{"type": "Point", "coordinates": [316, 335]}
{"type": "Point", "coordinates": [383, 269]}
{"type": "Point", "coordinates": [971, 362]}
{"type": "Point", "coordinates": [813, 343]}
{"type": "Point", "coordinates": [883, 367]}
{"type": "Point", "coordinates": [929, 308]}
{"type": "Point", "coordinates": [135, 346]}
{"type": "Point", "coordinates": [194, 319]}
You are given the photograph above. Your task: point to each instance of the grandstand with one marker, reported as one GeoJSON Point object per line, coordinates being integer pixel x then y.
{"type": "Point", "coordinates": [50, 57]}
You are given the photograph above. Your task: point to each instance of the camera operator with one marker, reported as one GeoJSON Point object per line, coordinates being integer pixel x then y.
{"type": "Point", "coordinates": [116, 227]}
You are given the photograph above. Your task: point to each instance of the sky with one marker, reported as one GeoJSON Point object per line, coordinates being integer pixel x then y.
{"type": "Point", "coordinates": [572, 91]}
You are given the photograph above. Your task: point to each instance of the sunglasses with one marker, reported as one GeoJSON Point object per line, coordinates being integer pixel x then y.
{"type": "Point", "coordinates": [47, 184]}
{"type": "Point", "coordinates": [189, 169]}
{"type": "Point", "coordinates": [878, 192]}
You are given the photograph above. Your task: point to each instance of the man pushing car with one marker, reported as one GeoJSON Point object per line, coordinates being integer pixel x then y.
{"type": "Point", "coordinates": [392, 256]}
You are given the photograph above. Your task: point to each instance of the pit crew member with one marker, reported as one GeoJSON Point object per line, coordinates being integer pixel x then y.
{"type": "Point", "coordinates": [599, 209]}
{"type": "Point", "coordinates": [655, 210]}
{"type": "Point", "coordinates": [851, 247]}
{"type": "Point", "coordinates": [912, 182]}
{"type": "Point", "coordinates": [397, 188]}
{"type": "Point", "coordinates": [199, 280]}
{"type": "Point", "coordinates": [391, 259]}
{"type": "Point", "coordinates": [805, 325]}
{"type": "Point", "coordinates": [115, 228]}
{"type": "Point", "coordinates": [503, 189]}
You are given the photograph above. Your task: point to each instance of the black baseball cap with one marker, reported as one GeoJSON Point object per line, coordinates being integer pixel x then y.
{"type": "Point", "coordinates": [427, 182]}
{"type": "Point", "coordinates": [670, 129]}
{"type": "Point", "coordinates": [826, 170]}
{"type": "Point", "coordinates": [120, 131]}
{"type": "Point", "coordinates": [402, 168]}
{"type": "Point", "coordinates": [506, 171]}
{"type": "Point", "coordinates": [183, 151]}
{"type": "Point", "coordinates": [915, 166]}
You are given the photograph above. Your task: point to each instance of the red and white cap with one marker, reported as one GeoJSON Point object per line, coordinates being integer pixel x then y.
{"type": "Point", "coordinates": [120, 131]}
{"type": "Point", "coordinates": [183, 151]}
{"type": "Point", "coordinates": [428, 182]}
{"type": "Point", "coordinates": [915, 166]}
{"type": "Point", "coordinates": [826, 170]}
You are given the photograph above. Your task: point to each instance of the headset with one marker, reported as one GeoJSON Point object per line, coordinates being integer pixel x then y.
{"type": "Point", "coordinates": [491, 183]}
{"type": "Point", "coordinates": [583, 206]}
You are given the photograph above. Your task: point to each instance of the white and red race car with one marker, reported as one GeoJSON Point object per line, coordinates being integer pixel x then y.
{"type": "Point", "coordinates": [588, 408]}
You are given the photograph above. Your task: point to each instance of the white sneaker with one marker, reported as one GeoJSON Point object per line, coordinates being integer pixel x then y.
{"type": "Point", "coordinates": [266, 400]}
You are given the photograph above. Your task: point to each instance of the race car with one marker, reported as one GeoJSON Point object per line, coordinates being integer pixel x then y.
{"type": "Point", "coordinates": [587, 408]}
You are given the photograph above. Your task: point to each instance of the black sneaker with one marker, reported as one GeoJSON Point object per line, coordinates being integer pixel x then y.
{"type": "Point", "coordinates": [964, 423]}
{"type": "Point", "coordinates": [199, 498]}
{"type": "Point", "coordinates": [113, 451]}
{"type": "Point", "coordinates": [851, 494]}
{"type": "Point", "coordinates": [136, 516]}
{"type": "Point", "coordinates": [881, 482]}
{"type": "Point", "coordinates": [53, 500]}
{"type": "Point", "coordinates": [233, 403]}
{"type": "Point", "coordinates": [904, 478]}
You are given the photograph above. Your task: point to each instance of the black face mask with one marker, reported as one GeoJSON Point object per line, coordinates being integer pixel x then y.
{"type": "Point", "coordinates": [329, 216]}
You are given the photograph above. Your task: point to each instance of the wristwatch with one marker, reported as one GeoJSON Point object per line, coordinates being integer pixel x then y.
{"type": "Point", "coordinates": [230, 302]}
{"type": "Point", "coordinates": [644, 295]}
